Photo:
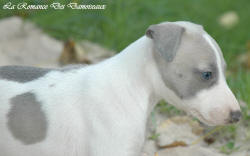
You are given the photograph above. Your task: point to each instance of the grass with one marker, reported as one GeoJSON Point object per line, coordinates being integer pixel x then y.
{"type": "Point", "coordinates": [122, 22]}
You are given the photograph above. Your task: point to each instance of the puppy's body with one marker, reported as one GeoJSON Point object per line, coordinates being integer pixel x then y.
{"type": "Point", "coordinates": [97, 110]}
{"type": "Point", "coordinates": [94, 110]}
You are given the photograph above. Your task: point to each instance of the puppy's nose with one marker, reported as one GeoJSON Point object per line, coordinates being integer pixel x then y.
{"type": "Point", "coordinates": [235, 116]}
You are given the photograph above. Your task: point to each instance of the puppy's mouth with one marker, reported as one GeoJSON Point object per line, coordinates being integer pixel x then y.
{"type": "Point", "coordinates": [198, 115]}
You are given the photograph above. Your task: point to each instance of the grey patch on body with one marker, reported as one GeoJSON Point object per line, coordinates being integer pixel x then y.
{"type": "Point", "coordinates": [183, 75]}
{"type": "Point", "coordinates": [52, 85]}
{"type": "Point", "coordinates": [26, 119]}
{"type": "Point", "coordinates": [22, 74]}
{"type": "Point", "coordinates": [25, 74]}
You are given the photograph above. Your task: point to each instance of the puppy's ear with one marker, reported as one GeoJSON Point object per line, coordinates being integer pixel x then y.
{"type": "Point", "coordinates": [167, 38]}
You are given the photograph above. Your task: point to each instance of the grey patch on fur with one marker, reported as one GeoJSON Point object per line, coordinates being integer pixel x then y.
{"type": "Point", "coordinates": [26, 120]}
{"type": "Point", "coordinates": [184, 74]}
{"type": "Point", "coordinates": [52, 85]}
{"type": "Point", "coordinates": [22, 73]}
{"type": "Point", "coordinates": [167, 38]}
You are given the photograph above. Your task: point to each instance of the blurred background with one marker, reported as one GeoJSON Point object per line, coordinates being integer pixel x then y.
{"type": "Point", "coordinates": [77, 36]}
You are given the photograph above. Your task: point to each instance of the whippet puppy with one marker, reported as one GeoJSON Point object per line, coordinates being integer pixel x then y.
{"type": "Point", "coordinates": [102, 109]}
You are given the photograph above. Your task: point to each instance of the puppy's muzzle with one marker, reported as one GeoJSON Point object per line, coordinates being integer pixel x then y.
{"type": "Point", "coordinates": [234, 116]}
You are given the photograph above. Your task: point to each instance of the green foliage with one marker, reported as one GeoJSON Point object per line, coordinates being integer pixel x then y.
{"type": "Point", "coordinates": [154, 136]}
{"type": "Point", "coordinates": [228, 148]}
{"type": "Point", "coordinates": [168, 109]}
{"type": "Point", "coordinates": [122, 22]}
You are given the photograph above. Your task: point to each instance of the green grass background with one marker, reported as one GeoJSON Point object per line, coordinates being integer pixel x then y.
{"type": "Point", "coordinates": [124, 21]}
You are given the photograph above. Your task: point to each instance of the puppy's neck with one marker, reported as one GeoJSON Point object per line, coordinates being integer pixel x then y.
{"type": "Point", "coordinates": [135, 70]}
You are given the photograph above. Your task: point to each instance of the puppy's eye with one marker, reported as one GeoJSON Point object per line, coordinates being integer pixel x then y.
{"type": "Point", "coordinates": [207, 75]}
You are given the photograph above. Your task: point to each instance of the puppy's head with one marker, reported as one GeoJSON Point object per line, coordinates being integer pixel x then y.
{"type": "Point", "coordinates": [192, 68]}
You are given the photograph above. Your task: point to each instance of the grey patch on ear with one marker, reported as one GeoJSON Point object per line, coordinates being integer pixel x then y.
{"type": "Point", "coordinates": [26, 120]}
{"type": "Point", "coordinates": [167, 38]}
